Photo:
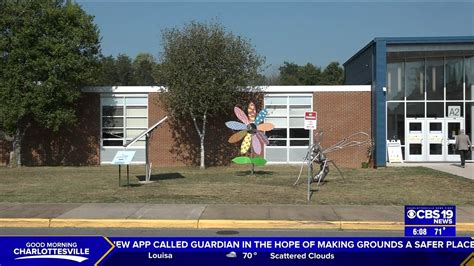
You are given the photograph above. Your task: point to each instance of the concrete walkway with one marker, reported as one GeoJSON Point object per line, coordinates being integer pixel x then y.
{"type": "Point", "coordinates": [196, 216]}
{"type": "Point", "coordinates": [451, 168]}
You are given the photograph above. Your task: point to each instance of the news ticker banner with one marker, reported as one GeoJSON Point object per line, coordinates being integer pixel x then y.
{"type": "Point", "coordinates": [430, 220]}
{"type": "Point", "coordinates": [95, 250]}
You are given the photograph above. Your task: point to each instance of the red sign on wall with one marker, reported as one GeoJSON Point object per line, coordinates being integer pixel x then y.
{"type": "Point", "coordinates": [310, 120]}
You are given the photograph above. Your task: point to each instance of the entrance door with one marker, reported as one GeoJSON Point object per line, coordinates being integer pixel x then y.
{"type": "Point", "coordinates": [452, 129]}
{"type": "Point", "coordinates": [415, 150]}
{"type": "Point", "coordinates": [435, 140]}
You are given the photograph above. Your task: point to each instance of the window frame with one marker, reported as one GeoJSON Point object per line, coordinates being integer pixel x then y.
{"type": "Point", "coordinates": [288, 116]}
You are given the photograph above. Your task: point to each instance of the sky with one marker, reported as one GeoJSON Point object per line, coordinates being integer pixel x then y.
{"type": "Point", "coordinates": [317, 32]}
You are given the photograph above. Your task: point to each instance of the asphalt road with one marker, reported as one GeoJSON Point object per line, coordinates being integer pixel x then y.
{"type": "Point", "coordinates": [223, 233]}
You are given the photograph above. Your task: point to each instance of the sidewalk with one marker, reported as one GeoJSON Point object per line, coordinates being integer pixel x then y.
{"type": "Point", "coordinates": [198, 216]}
{"type": "Point", "coordinates": [450, 168]}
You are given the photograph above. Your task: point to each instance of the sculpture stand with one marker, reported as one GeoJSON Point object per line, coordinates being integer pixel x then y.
{"type": "Point", "coordinates": [316, 155]}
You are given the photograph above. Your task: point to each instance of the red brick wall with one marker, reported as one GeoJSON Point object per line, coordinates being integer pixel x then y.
{"type": "Point", "coordinates": [76, 145]}
{"type": "Point", "coordinates": [177, 142]}
{"type": "Point", "coordinates": [341, 114]}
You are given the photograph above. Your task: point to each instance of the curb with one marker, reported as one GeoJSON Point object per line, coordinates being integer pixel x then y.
{"type": "Point", "coordinates": [267, 224]}
{"type": "Point", "coordinates": [25, 222]}
{"type": "Point", "coordinates": [211, 224]}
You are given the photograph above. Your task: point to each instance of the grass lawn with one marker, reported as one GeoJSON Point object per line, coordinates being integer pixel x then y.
{"type": "Point", "coordinates": [272, 185]}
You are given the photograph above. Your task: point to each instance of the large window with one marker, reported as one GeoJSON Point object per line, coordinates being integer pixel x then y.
{"type": "Point", "coordinates": [432, 88]}
{"type": "Point", "coordinates": [123, 118]}
{"type": "Point", "coordinates": [289, 140]}
{"type": "Point", "coordinates": [395, 81]}
{"type": "Point", "coordinates": [435, 79]}
{"type": "Point", "coordinates": [469, 77]}
{"type": "Point", "coordinates": [454, 78]}
{"type": "Point", "coordinates": [415, 77]}
{"type": "Point", "coordinates": [396, 121]}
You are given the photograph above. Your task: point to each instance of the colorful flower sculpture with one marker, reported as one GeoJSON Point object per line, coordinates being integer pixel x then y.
{"type": "Point", "coordinates": [252, 131]}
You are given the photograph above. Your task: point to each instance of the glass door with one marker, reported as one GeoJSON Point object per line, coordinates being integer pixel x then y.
{"type": "Point", "coordinates": [453, 126]}
{"type": "Point", "coordinates": [435, 140]}
{"type": "Point", "coordinates": [415, 150]}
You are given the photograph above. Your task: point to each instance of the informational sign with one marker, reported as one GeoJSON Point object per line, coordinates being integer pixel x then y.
{"type": "Point", "coordinates": [394, 150]}
{"type": "Point", "coordinates": [430, 220]}
{"type": "Point", "coordinates": [310, 120]}
{"type": "Point", "coordinates": [123, 157]}
{"type": "Point", "coordinates": [454, 111]}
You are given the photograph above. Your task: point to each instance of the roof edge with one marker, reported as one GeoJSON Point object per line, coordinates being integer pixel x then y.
{"type": "Point", "coordinates": [412, 40]}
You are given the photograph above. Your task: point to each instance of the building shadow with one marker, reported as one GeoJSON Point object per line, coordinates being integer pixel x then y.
{"type": "Point", "coordinates": [218, 151]}
{"type": "Point", "coordinates": [161, 177]}
{"type": "Point", "coordinates": [256, 173]}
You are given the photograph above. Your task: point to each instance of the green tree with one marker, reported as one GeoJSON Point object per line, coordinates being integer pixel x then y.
{"type": "Point", "coordinates": [289, 74]}
{"type": "Point", "coordinates": [309, 75]}
{"type": "Point", "coordinates": [144, 67]}
{"type": "Point", "coordinates": [48, 50]}
{"type": "Point", "coordinates": [108, 72]}
{"type": "Point", "coordinates": [333, 74]}
{"type": "Point", "coordinates": [125, 74]}
{"type": "Point", "coordinates": [205, 69]}
{"type": "Point", "coordinates": [293, 74]}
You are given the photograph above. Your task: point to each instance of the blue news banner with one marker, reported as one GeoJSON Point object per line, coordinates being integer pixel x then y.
{"type": "Point", "coordinates": [429, 240]}
{"type": "Point", "coordinates": [430, 220]}
{"type": "Point", "coordinates": [236, 251]}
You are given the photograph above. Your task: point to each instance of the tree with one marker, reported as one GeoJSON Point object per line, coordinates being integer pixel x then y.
{"type": "Point", "coordinates": [124, 68]}
{"type": "Point", "coordinates": [293, 74]}
{"type": "Point", "coordinates": [289, 74]}
{"type": "Point", "coordinates": [144, 66]}
{"type": "Point", "coordinates": [205, 70]}
{"type": "Point", "coordinates": [309, 74]}
{"type": "Point", "coordinates": [48, 50]}
{"type": "Point", "coordinates": [333, 74]}
{"type": "Point", "coordinates": [108, 72]}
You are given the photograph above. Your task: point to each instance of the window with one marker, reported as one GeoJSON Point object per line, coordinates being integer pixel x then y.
{"type": "Point", "coordinates": [435, 79]}
{"type": "Point", "coordinates": [454, 78]}
{"type": "Point", "coordinates": [415, 77]}
{"type": "Point", "coordinates": [469, 77]}
{"type": "Point", "coordinates": [396, 121]}
{"type": "Point", "coordinates": [395, 81]}
{"type": "Point", "coordinates": [289, 140]}
{"type": "Point", "coordinates": [123, 118]}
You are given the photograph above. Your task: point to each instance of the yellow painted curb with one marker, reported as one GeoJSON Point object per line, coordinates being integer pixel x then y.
{"type": "Point", "coordinates": [123, 223]}
{"type": "Point", "coordinates": [465, 227]}
{"type": "Point", "coordinates": [267, 224]}
{"type": "Point", "coordinates": [372, 225]}
{"type": "Point", "coordinates": [24, 222]}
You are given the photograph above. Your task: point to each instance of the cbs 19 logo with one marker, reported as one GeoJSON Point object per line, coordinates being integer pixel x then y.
{"type": "Point", "coordinates": [440, 216]}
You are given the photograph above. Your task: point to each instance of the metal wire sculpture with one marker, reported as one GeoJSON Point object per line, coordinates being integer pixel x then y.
{"type": "Point", "coordinates": [316, 157]}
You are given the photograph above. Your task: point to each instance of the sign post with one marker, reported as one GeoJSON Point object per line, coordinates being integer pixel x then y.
{"type": "Point", "coordinates": [310, 123]}
{"type": "Point", "coordinates": [123, 158]}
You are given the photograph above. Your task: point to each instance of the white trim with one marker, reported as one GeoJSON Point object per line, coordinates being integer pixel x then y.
{"type": "Point", "coordinates": [323, 88]}
{"type": "Point", "coordinates": [124, 89]}
{"type": "Point", "coordinates": [132, 163]}
{"type": "Point", "coordinates": [281, 89]}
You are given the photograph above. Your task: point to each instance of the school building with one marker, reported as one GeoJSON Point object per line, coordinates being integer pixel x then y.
{"type": "Point", "coordinates": [416, 90]}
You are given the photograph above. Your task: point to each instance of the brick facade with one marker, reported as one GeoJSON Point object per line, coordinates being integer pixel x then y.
{"type": "Point", "coordinates": [341, 114]}
{"type": "Point", "coordinates": [176, 143]}
{"type": "Point", "coordinates": [77, 145]}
